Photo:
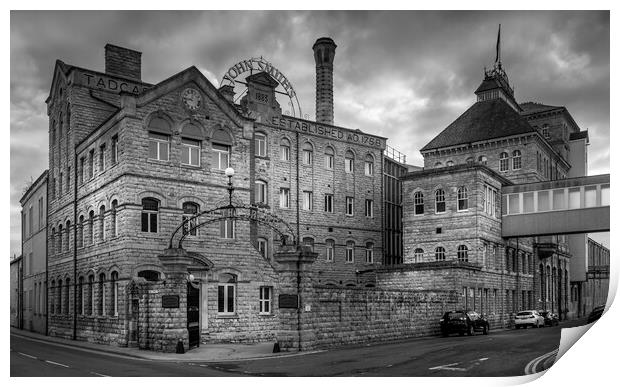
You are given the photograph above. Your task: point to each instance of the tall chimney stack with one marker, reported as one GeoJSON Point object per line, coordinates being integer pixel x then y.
{"type": "Point", "coordinates": [324, 52]}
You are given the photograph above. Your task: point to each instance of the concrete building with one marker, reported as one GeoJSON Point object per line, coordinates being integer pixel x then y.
{"type": "Point", "coordinates": [593, 291]}
{"type": "Point", "coordinates": [34, 240]}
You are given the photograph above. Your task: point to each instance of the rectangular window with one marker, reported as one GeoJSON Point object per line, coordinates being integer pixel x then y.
{"type": "Point", "coordinates": [260, 141]}
{"type": "Point", "coordinates": [190, 152]}
{"type": "Point", "coordinates": [221, 156]}
{"type": "Point", "coordinates": [307, 201]}
{"type": "Point", "coordinates": [41, 214]}
{"type": "Point", "coordinates": [329, 203]}
{"type": "Point", "coordinates": [60, 187]}
{"type": "Point", "coordinates": [226, 299]}
{"type": "Point", "coordinates": [590, 196]}
{"type": "Point", "coordinates": [102, 158]}
{"type": "Point", "coordinates": [261, 245]}
{"type": "Point", "coordinates": [260, 192]}
{"type": "Point", "coordinates": [528, 202]}
{"type": "Point", "coordinates": [369, 255]}
{"type": "Point", "coordinates": [350, 253]}
{"type": "Point", "coordinates": [81, 171]}
{"type": "Point", "coordinates": [558, 199]}
{"type": "Point", "coordinates": [284, 198]}
{"type": "Point", "coordinates": [349, 206]}
{"type": "Point", "coordinates": [514, 206]}
{"type": "Point", "coordinates": [329, 250]}
{"type": "Point", "coordinates": [30, 221]}
{"type": "Point", "coordinates": [369, 168]}
{"type": "Point", "coordinates": [369, 208]}
{"type": "Point", "coordinates": [227, 227]}
{"type": "Point", "coordinates": [91, 164]}
{"type": "Point", "coordinates": [159, 146]}
{"type": "Point", "coordinates": [265, 300]}
{"type": "Point", "coordinates": [114, 150]}
{"type": "Point", "coordinates": [604, 194]}
{"type": "Point", "coordinates": [574, 198]}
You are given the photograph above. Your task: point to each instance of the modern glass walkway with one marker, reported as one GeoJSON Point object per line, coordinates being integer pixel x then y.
{"type": "Point", "coordinates": [569, 206]}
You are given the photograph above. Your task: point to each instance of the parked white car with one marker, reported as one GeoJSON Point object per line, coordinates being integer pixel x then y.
{"type": "Point", "coordinates": [527, 318]}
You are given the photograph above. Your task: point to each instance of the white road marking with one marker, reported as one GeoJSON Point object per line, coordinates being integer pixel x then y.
{"type": "Point", "coordinates": [442, 366]}
{"type": "Point", "coordinates": [25, 354]}
{"type": "Point", "coordinates": [98, 374]}
{"type": "Point", "coordinates": [58, 364]}
{"type": "Point", "coordinates": [449, 367]}
{"type": "Point", "coordinates": [530, 368]}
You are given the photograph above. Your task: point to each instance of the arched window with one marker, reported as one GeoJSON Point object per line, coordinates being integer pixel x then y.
{"type": "Point", "coordinates": [226, 291]}
{"type": "Point", "coordinates": [150, 209]}
{"type": "Point", "coordinates": [369, 165]}
{"type": "Point", "coordinates": [329, 157]}
{"type": "Point", "coordinates": [469, 160]}
{"type": "Point", "coordinates": [80, 296]}
{"type": "Point", "coordinates": [260, 144]}
{"type": "Point", "coordinates": [61, 239]}
{"type": "Point", "coordinates": [285, 149]}
{"type": "Point", "coordinates": [80, 232]}
{"type": "Point", "coordinates": [308, 242]}
{"type": "Point", "coordinates": [350, 252]}
{"type": "Point", "coordinates": [53, 297]}
{"type": "Point", "coordinates": [91, 227]}
{"type": "Point", "coordinates": [159, 133]}
{"type": "Point", "coordinates": [67, 295]}
{"type": "Point", "coordinates": [68, 237]}
{"type": "Point", "coordinates": [190, 209]}
{"type": "Point", "coordinates": [114, 226]}
{"type": "Point", "coordinates": [114, 285]}
{"type": "Point", "coordinates": [418, 203]}
{"type": "Point", "coordinates": [461, 253]}
{"type": "Point", "coordinates": [91, 288]}
{"type": "Point", "coordinates": [449, 163]}
{"type": "Point", "coordinates": [516, 159]}
{"type": "Point", "coordinates": [418, 255]}
{"type": "Point", "coordinates": [440, 201]}
{"type": "Point", "coordinates": [482, 160]}
{"type": "Point", "coordinates": [307, 153]}
{"type": "Point", "coordinates": [221, 144]}
{"type": "Point", "coordinates": [102, 294]}
{"type": "Point", "coordinates": [261, 246]}
{"type": "Point", "coordinates": [102, 223]}
{"type": "Point", "coordinates": [503, 162]}
{"type": "Point", "coordinates": [53, 241]}
{"type": "Point", "coordinates": [149, 275]}
{"type": "Point", "coordinates": [349, 161]}
{"type": "Point", "coordinates": [329, 250]}
{"type": "Point", "coordinates": [369, 252]}
{"type": "Point", "coordinates": [438, 164]}
{"type": "Point", "coordinates": [59, 297]}
{"type": "Point", "coordinates": [260, 196]}
{"type": "Point", "coordinates": [227, 225]}
{"type": "Point", "coordinates": [440, 254]}
{"type": "Point", "coordinates": [462, 198]}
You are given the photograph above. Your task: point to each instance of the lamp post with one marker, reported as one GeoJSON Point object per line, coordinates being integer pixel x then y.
{"type": "Point", "coordinates": [230, 173]}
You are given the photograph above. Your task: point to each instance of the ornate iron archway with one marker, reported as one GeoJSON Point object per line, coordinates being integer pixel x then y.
{"type": "Point", "coordinates": [232, 211]}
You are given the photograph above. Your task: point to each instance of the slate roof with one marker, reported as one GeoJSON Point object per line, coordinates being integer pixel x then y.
{"type": "Point", "coordinates": [484, 120]}
{"type": "Point", "coordinates": [534, 107]}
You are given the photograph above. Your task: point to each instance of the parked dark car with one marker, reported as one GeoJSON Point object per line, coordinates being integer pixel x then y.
{"type": "Point", "coordinates": [596, 313]}
{"type": "Point", "coordinates": [551, 319]}
{"type": "Point", "coordinates": [461, 322]}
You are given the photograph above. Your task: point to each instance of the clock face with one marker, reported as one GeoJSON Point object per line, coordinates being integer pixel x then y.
{"type": "Point", "coordinates": [191, 98]}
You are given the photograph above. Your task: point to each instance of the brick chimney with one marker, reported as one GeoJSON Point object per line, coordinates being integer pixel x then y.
{"type": "Point", "coordinates": [123, 62]}
{"type": "Point", "coordinates": [324, 52]}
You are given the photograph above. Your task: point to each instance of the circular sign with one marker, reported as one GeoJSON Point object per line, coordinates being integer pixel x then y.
{"type": "Point", "coordinates": [191, 98]}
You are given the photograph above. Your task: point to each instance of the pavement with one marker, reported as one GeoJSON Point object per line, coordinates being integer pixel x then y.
{"type": "Point", "coordinates": [203, 353]}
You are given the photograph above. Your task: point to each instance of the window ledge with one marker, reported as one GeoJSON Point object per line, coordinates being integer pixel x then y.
{"type": "Point", "coordinates": [227, 316]}
{"type": "Point", "coordinates": [191, 166]}
{"type": "Point", "coordinates": [266, 315]}
{"type": "Point", "coordinates": [262, 157]}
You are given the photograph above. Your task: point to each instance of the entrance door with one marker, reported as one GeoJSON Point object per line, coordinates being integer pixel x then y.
{"type": "Point", "coordinates": [193, 315]}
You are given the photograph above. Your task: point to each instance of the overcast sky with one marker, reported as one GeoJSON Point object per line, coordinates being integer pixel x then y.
{"type": "Point", "coordinates": [404, 75]}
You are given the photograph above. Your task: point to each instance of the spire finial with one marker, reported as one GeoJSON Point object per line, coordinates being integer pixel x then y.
{"type": "Point", "coordinates": [498, 48]}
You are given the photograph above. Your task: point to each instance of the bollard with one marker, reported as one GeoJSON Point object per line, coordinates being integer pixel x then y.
{"type": "Point", "coordinates": [276, 347]}
{"type": "Point", "coordinates": [180, 348]}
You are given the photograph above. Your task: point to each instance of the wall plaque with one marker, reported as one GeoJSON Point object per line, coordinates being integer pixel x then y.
{"type": "Point", "coordinates": [288, 301]}
{"type": "Point", "coordinates": [169, 301]}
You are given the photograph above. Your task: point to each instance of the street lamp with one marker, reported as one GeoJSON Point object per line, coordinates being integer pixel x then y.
{"type": "Point", "coordinates": [230, 173]}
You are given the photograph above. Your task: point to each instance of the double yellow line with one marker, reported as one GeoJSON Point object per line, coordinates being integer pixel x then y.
{"type": "Point", "coordinates": [531, 367]}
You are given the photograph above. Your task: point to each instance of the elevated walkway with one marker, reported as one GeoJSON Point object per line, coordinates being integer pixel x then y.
{"type": "Point", "coordinates": [569, 206]}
